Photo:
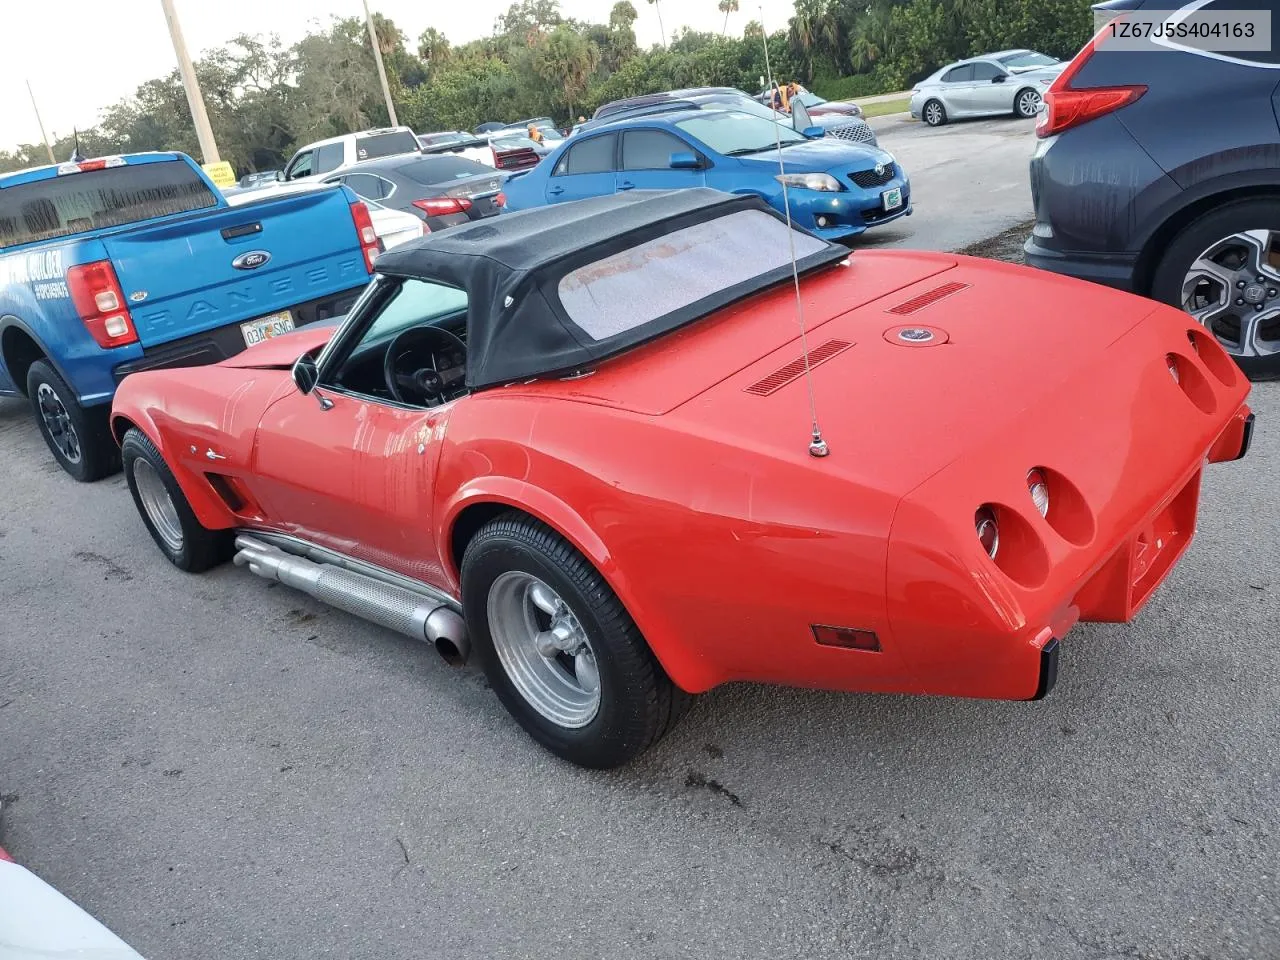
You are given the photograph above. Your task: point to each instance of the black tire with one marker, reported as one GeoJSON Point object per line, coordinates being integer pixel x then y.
{"type": "Point", "coordinates": [934, 113]}
{"type": "Point", "coordinates": [1018, 107]}
{"type": "Point", "coordinates": [1198, 236]}
{"type": "Point", "coordinates": [79, 439]}
{"type": "Point", "coordinates": [200, 548]}
{"type": "Point", "coordinates": [638, 704]}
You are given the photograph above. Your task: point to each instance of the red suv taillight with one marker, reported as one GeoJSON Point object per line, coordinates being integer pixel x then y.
{"type": "Point", "coordinates": [443, 206]}
{"type": "Point", "coordinates": [369, 243]}
{"type": "Point", "coordinates": [99, 301]}
{"type": "Point", "coordinates": [1066, 107]}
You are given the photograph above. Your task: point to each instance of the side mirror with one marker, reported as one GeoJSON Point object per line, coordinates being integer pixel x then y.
{"type": "Point", "coordinates": [684, 160]}
{"type": "Point", "coordinates": [800, 119]}
{"type": "Point", "coordinates": [813, 133]}
{"type": "Point", "coordinates": [279, 176]}
{"type": "Point", "coordinates": [306, 373]}
{"type": "Point", "coordinates": [998, 78]}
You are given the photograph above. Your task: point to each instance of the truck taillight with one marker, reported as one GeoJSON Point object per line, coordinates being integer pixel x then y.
{"type": "Point", "coordinates": [99, 301]}
{"type": "Point", "coordinates": [368, 236]}
{"type": "Point", "coordinates": [1066, 107]}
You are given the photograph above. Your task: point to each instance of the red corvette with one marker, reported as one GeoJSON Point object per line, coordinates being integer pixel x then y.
{"type": "Point", "coordinates": [579, 441]}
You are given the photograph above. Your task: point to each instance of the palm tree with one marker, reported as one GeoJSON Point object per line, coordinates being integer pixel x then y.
{"type": "Point", "coordinates": [727, 7]}
{"type": "Point", "coordinates": [662, 30]}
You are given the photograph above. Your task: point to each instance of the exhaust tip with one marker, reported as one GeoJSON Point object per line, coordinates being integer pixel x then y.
{"type": "Point", "coordinates": [450, 653]}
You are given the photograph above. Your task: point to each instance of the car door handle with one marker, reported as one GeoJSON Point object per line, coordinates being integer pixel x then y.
{"type": "Point", "coordinates": [626, 185]}
{"type": "Point", "coordinates": [555, 191]}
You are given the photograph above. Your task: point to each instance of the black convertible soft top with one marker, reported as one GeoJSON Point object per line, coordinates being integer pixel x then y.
{"type": "Point", "coordinates": [553, 290]}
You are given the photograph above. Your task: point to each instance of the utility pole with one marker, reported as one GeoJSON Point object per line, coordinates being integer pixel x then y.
{"type": "Point", "coordinates": [43, 136]}
{"type": "Point", "coordinates": [204, 133]}
{"type": "Point", "coordinates": [382, 71]}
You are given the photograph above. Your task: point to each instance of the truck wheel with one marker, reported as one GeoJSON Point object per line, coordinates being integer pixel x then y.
{"type": "Point", "coordinates": [1222, 269]}
{"type": "Point", "coordinates": [164, 509]}
{"type": "Point", "coordinates": [559, 648]}
{"type": "Point", "coordinates": [78, 438]}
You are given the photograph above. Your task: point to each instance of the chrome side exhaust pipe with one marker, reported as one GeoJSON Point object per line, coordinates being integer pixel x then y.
{"type": "Point", "coordinates": [395, 608]}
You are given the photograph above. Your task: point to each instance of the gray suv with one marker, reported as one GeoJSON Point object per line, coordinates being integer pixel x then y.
{"type": "Point", "coordinates": [1158, 171]}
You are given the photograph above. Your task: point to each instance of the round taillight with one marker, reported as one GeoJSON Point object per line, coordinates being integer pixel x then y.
{"type": "Point", "coordinates": [1038, 487]}
{"type": "Point", "coordinates": [988, 532]}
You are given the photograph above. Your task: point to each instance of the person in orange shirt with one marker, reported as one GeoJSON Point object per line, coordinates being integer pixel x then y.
{"type": "Point", "coordinates": [535, 134]}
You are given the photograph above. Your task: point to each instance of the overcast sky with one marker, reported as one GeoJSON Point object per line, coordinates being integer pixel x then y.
{"type": "Point", "coordinates": [83, 55]}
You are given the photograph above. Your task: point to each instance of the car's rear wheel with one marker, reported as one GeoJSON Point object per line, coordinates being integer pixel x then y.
{"type": "Point", "coordinates": [934, 113]}
{"type": "Point", "coordinates": [1224, 270]}
{"type": "Point", "coordinates": [165, 510]}
{"type": "Point", "coordinates": [559, 648]}
{"type": "Point", "coordinates": [1027, 103]}
{"type": "Point", "coordinates": [77, 437]}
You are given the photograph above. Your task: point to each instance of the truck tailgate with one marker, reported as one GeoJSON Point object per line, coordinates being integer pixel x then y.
{"type": "Point", "coordinates": [193, 275]}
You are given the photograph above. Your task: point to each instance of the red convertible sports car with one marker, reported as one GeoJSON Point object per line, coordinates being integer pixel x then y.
{"type": "Point", "coordinates": [579, 441]}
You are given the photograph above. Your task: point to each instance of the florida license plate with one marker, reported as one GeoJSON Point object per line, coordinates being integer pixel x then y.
{"type": "Point", "coordinates": [264, 328]}
{"type": "Point", "coordinates": [892, 199]}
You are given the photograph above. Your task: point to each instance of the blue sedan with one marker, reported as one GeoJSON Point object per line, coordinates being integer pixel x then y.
{"type": "Point", "coordinates": [836, 189]}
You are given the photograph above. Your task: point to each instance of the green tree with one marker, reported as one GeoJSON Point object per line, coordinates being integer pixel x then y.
{"type": "Point", "coordinates": [566, 60]}
{"type": "Point", "coordinates": [727, 7]}
{"type": "Point", "coordinates": [662, 31]}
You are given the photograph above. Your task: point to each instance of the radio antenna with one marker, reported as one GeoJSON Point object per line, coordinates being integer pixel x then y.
{"type": "Point", "coordinates": [817, 446]}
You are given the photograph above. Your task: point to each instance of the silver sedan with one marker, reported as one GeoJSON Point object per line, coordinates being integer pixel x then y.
{"type": "Point", "coordinates": [1007, 82]}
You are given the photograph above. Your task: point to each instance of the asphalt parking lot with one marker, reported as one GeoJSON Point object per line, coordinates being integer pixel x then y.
{"type": "Point", "coordinates": [216, 768]}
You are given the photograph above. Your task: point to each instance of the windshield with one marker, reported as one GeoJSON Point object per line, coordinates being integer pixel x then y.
{"type": "Point", "coordinates": [386, 145]}
{"type": "Point", "coordinates": [1028, 59]}
{"type": "Point", "coordinates": [63, 206]}
{"type": "Point", "coordinates": [736, 132]}
{"type": "Point", "coordinates": [432, 170]}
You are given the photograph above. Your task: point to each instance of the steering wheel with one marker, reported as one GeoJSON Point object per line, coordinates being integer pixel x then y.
{"type": "Point", "coordinates": [426, 380]}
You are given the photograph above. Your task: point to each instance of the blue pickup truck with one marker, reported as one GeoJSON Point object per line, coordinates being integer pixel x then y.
{"type": "Point", "coordinates": [119, 264]}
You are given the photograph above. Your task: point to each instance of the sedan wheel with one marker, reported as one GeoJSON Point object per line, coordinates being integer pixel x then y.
{"type": "Point", "coordinates": [934, 114]}
{"type": "Point", "coordinates": [559, 648]}
{"type": "Point", "coordinates": [544, 649]}
{"type": "Point", "coordinates": [1233, 288]}
{"type": "Point", "coordinates": [1028, 103]}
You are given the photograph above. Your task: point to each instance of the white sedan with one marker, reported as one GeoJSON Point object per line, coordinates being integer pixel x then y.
{"type": "Point", "coordinates": [1008, 83]}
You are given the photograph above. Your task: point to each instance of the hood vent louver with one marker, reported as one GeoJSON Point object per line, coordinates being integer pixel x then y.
{"type": "Point", "coordinates": [795, 369]}
{"type": "Point", "coordinates": [919, 302]}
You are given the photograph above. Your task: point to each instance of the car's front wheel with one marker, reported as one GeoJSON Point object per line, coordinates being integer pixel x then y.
{"type": "Point", "coordinates": [934, 113]}
{"type": "Point", "coordinates": [1224, 270]}
{"type": "Point", "coordinates": [559, 648]}
{"type": "Point", "coordinates": [165, 510]}
{"type": "Point", "coordinates": [1027, 103]}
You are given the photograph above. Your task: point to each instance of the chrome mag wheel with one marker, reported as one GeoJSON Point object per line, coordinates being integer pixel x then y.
{"type": "Point", "coordinates": [1233, 289]}
{"type": "Point", "coordinates": [58, 422]}
{"type": "Point", "coordinates": [543, 649]}
{"type": "Point", "coordinates": [158, 504]}
{"type": "Point", "coordinates": [933, 113]}
{"type": "Point", "coordinates": [1028, 103]}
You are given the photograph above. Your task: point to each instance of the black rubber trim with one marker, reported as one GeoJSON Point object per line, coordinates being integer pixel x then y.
{"type": "Point", "coordinates": [214, 346]}
{"type": "Point", "coordinates": [1248, 438]}
{"type": "Point", "coordinates": [244, 230]}
{"type": "Point", "coordinates": [1048, 670]}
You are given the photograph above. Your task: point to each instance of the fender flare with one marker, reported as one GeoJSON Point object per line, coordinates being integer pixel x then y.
{"type": "Point", "coordinates": [1155, 226]}
{"type": "Point", "coordinates": [10, 321]}
{"type": "Point", "coordinates": [681, 665]}
{"type": "Point", "coordinates": [205, 504]}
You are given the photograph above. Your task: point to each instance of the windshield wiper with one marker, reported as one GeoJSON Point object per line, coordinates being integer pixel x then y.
{"type": "Point", "coordinates": [768, 146]}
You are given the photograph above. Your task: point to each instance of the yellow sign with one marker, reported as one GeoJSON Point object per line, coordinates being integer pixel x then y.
{"type": "Point", "coordinates": [220, 173]}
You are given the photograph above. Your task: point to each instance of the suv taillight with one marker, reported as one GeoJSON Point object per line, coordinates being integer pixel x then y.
{"type": "Point", "coordinates": [99, 301]}
{"type": "Point", "coordinates": [1066, 107]}
{"type": "Point", "coordinates": [369, 243]}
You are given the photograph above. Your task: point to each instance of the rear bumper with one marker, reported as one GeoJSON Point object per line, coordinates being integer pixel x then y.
{"type": "Point", "coordinates": [1111, 269]}
{"type": "Point", "coordinates": [214, 346]}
